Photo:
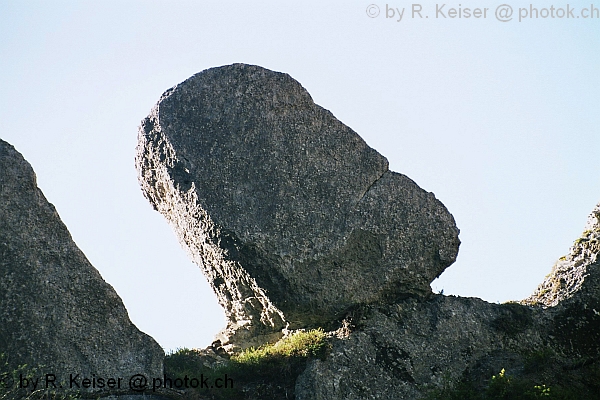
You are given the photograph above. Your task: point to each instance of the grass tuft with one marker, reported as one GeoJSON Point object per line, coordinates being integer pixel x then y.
{"type": "Point", "coordinates": [301, 344]}
{"type": "Point", "coordinates": [269, 371]}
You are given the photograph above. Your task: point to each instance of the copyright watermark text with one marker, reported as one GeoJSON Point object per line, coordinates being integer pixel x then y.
{"type": "Point", "coordinates": [137, 383]}
{"type": "Point", "coordinates": [502, 12]}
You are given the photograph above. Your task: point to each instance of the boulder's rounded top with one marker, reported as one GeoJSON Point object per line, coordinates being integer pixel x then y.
{"type": "Point", "coordinates": [269, 159]}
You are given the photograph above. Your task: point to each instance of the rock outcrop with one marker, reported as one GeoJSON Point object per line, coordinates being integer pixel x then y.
{"type": "Point", "coordinates": [407, 349]}
{"type": "Point", "coordinates": [414, 347]}
{"type": "Point", "coordinates": [56, 312]}
{"type": "Point", "coordinates": [292, 217]}
{"type": "Point", "coordinates": [576, 276]}
{"type": "Point", "coordinates": [297, 223]}
{"type": "Point", "coordinates": [571, 292]}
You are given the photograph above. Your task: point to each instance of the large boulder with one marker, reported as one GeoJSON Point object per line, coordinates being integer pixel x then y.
{"type": "Point", "coordinates": [296, 222]}
{"type": "Point", "coordinates": [57, 314]}
{"type": "Point", "coordinates": [293, 218]}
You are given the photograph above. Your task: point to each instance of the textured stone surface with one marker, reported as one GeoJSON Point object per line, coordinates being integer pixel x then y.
{"type": "Point", "coordinates": [577, 274]}
{"type": "Point", "coordinates": [404, 350]}
{"type": "Point", "coordinates": [292, 217]}
{"type": "Point", "coordinates": [296, 221]}
{"type": "Point", "coordinates": [56, 311]}
{"type": "Point", "coordinates": [572, 292]}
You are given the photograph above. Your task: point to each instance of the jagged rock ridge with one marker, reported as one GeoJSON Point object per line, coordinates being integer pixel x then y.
{"type": "Point", "coordinates": [574, 273]}
{"type": "Point", "coordinates": [292, 217]}
{"type": "Point", "coordinates": [571, 292]}
{"type": "Point", "coordinates": [56, 311]}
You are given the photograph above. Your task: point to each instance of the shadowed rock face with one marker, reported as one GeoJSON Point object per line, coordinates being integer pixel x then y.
{"type": "Point", "coordinates": [292, 217]}
{"type": "Point", "coordinates": [56, 311]}
{"type": "Point", "coordinates": [403, 350]}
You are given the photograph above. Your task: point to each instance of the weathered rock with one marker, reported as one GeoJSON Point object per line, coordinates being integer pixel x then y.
{"type": "Point", "coordinates": [408, 349]}
{"type": "Point", "coordinates": [296, 221]}
{"type": "Point", "coordinates": [56, 311]}
{"type": "Point", "coordinates": [576, 275]}
{"type": "Point", "coordinates": [572, 293]}
{"type": "Point", "coordinates": [292, 217]}
{"type": "Point", "coordinates": [412, 349]}
{"type": "Point", "coordinates": [405, 350]}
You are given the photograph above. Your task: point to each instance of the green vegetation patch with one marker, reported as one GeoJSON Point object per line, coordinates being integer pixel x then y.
{"type": "Point", "coordinates": [506, 387]}
{"type": "Point", "coordinates": [269, 371]}
{"type": "Point", "coordinates": [301, 344]}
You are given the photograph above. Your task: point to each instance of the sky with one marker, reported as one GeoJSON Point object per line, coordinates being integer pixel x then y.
{"type": "Point", "coordinates": [496, 115]}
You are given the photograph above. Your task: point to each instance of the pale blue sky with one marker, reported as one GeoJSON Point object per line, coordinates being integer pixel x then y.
{"type": "Point", "coordinates": [499, 119]}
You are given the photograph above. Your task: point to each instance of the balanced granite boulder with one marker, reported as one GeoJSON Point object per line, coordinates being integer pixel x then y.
{"type": "Point", "coordinates": [57, 314]}
{"type": "Point", "coordinates": [293, 218]}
